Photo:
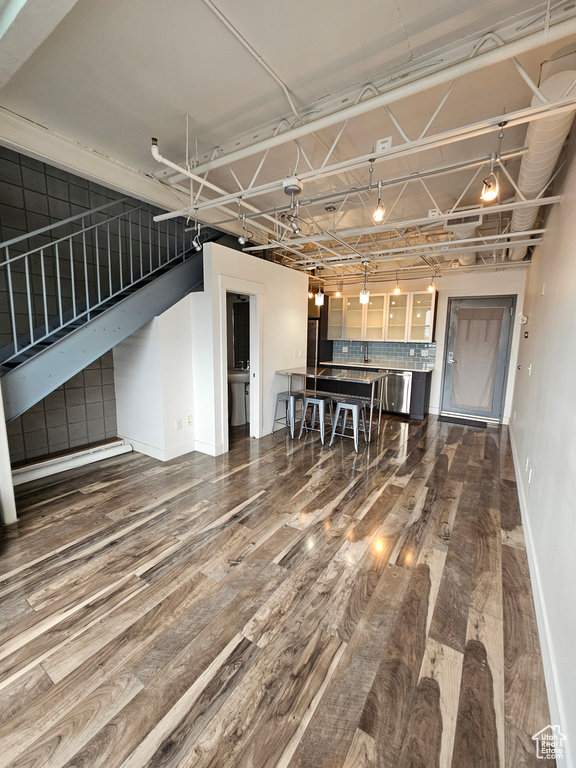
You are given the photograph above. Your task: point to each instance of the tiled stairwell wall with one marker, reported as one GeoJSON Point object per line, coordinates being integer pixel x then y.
{"type": "Point", "coordinates": [83, 411]}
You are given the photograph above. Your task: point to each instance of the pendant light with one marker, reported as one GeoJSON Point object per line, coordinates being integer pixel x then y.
{"type": "Point", "coordinates": [338, 291]}
{"type": "Point", "coordinates": [397, 290]}
{"type": "Point", "coordinates": [364, 293]}
{"type": "Point", "coordinates": [319, 298]}
{"type": "Point", "coordinates": [380, 211]}
{"type": "Point", "coordinates": [431, 287]}
{"type": "Point", "coordinates": [490, 187]}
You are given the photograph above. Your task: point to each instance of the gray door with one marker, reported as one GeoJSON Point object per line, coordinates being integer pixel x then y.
{"type": "Point", "coordinates": [477, 353]}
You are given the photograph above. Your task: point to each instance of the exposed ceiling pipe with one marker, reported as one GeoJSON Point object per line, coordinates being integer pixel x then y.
{"type": "Point", "coordinates": [465, 232]}
{"type": "Point", "coordinates": [544, 140]}
{"type": "Point", "coordinates": [495, 56]}
{"type": "Point", "coordinates": [161, 159]}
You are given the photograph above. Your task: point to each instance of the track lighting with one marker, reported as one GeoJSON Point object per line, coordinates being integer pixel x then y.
{"type": "Point", "coordinates": [246, 234]}
{"type": "Point", "coordinates": [365, 293]}
{"type": "Point", "coordinates": [380, 211]}
{"type": "Point", "coordinates": [196, 242]}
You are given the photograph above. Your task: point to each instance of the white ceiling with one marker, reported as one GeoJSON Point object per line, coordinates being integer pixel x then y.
{"type": "Point", "coordinates": [112, 75]}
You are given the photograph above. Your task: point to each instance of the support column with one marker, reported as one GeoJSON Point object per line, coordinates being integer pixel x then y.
{"type": "Point", "coordinates": [7, 501]}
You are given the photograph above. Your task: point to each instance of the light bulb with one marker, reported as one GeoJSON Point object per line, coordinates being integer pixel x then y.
{"type": "Point", "coordinates": [431, 287]}
{"type": "Point", "coordinates": [242, 240]}
{"type": "Point", "coordinates": [338, 294]}
{"type": "Point", "coordinates": [379, 213]}
{"type": "Point", "coordinates": [490, 189]}
{"type": "Point", "coordinates": [396, 290]}
{"type": "Point", "coordinates": [310, 295]}
{"type": "Point", "coordinates": [319, 299]}
{"type": "Point", "coordinates": [364, 296]}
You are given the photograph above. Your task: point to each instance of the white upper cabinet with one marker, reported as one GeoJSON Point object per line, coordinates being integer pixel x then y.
{"type": "Point", "coordinates": [405, 317]}
{"type": "Point", "coordinates": [421, 316]}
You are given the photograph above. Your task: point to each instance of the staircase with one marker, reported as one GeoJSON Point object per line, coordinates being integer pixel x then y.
{"type": "Point", "coordinates": [72, 291]}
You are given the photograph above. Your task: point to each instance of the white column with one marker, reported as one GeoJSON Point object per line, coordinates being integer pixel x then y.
{"type": "Point", "coordinates": [7, 501]}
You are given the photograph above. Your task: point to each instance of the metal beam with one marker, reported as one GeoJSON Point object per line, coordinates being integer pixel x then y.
{"type": "Point", "coordinates": [507, 51]}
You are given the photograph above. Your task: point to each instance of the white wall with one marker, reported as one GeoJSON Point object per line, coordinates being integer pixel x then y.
{"type": "Point", "coordinates": [176, 366]}
{"type": "Point", "coordinates": [505, 282]}
{"type": "Point", "coordinates": [153, 381]}
{"type": "Point", "coordinates": [278, 327]}
{"type": "Point", "coordinates": [544, 433]}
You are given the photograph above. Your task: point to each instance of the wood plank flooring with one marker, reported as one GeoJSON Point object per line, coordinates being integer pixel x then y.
{"type": "Point", "coordinates": [286, 605]}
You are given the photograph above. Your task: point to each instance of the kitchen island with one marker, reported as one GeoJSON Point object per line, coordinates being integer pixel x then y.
{"type": "Point", "coordinates": [410, 398]}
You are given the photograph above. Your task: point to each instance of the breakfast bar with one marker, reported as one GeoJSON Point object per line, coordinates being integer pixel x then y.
{"type": "Point", "coordinates": [329, 374]}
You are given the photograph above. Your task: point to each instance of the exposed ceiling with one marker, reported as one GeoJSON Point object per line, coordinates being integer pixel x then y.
{"type": "Point", "coordinates": [248, 95]}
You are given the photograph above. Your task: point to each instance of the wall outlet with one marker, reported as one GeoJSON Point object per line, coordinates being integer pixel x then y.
{"type": "Point", "coordinates": [189, 420]}
{"type": "Point", "coordinates": [344, 349]}
{"type": "Point", "coordinates": [424, 353]}
{"type": "Point", "coordinates": [178, 424]}
{"type": "Point", "coordinates": [411, 353]}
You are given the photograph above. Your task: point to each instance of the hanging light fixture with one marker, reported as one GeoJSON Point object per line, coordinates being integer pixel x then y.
{"type": "Point", "coordinates": [246, 234]}
{"type": "Point", "coordinates": [196, 242]}
{"type": "Point", "coordinates": [431, 287]}
{"type": "Point", "coordinates": [397, 290]}
{"type": "Point", "coordinates": [380, 211]}
{"type": "Point", "coordinates": [490, 187]}
{"type": "Point", "coordinates": [319, 298]}
{"type": "Point", "coordinates": [310, 293]}
{"type": "Point", "coordinates": [338, 291]}
{"type": "Point", "coordinates": [365, 293]}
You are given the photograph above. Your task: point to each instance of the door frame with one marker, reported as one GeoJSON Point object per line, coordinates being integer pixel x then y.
{"type": "Point", "coordinates": [507, 347]}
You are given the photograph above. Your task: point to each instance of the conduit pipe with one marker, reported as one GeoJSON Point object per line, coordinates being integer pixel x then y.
{"type": "Point", "coordinates": [544, 141]}
{"type": "Point", "coordinates": [161, 159]}
{"type": "Point", "coordinates": [507, 51]}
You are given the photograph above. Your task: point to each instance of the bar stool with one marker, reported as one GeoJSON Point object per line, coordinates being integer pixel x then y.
{"type": "Point", "coordinates": [289, 419]}
{"type": "Point", "coordinates": [318, 404]}
{"type": "Point", "coordinates": [355, 407]}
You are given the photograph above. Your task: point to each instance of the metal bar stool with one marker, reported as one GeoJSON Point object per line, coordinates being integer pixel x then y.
{"type": "Point", "coordinates": [356, 408]}
{"type": "Point", "coordinates": [289, 419]}
{"type": "Point", "coordinates": [318, 404]}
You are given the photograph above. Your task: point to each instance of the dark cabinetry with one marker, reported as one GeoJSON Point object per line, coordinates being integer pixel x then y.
{"type": "Point", "coordinates": [420, 396]}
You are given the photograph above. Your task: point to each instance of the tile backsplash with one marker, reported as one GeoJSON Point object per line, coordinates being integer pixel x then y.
{"type": "Point", "coordinates": [384, 352]}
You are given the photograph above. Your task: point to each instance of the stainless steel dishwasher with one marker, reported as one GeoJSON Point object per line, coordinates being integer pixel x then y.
{"type": "Point", "coordinates": [396, 391]}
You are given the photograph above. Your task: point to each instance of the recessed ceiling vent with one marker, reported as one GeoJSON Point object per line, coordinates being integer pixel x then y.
{"type": "Point", "coordinates": [469, 218]}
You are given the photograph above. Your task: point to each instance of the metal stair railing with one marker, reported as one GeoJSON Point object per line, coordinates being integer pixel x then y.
{"type": "Point", "coordinates": [53, 280]}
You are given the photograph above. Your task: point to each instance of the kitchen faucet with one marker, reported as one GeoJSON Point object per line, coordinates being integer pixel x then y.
{"type": "Point", "coordinates": [364, 346]}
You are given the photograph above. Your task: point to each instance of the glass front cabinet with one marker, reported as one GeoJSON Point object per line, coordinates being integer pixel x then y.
{"type": "Point", "coordinates": [405, 317]}
{"type": "Point", "coordinates": [421, 316]}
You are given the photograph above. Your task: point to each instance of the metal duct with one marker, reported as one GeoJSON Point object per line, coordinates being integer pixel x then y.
{"type": "Point", "coordinates": [462, 232]}
{"type": "Point", "coordinates": [544, 140]}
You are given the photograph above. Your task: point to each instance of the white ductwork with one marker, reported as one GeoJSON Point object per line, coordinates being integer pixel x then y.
{"type": "Point", "coordinates": [463, 224]}
{"type": "Point", "coordinates": [544, 140]}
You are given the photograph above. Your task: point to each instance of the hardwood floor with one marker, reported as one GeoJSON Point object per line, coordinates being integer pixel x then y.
{"type": "Point", "coordinates": [284, 605]}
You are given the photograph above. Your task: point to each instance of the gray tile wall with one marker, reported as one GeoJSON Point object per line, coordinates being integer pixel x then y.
{"type": "Point", "coordinates": [80, 413]}
{"type": "Point", "coordinates": [385, 352]}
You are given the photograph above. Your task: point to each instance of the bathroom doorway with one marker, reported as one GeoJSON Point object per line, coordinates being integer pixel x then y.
{"type": "Point", "coordinates": [238, 359]}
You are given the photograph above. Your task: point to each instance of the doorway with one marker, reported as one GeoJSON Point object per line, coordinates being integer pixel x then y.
{"type": "Point", "coordinates": [238, 358]}
{"type": "Point", "coordinates": [477, 356]}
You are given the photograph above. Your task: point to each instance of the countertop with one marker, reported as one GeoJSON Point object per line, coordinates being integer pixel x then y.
{"type": "Point", "coordinates": [335, 373]}
{"type": "Point", "coordinates": [426, 367]}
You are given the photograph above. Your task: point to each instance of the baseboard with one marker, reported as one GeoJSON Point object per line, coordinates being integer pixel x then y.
{"type": "Point", "coordinates": [208, 448]}
{"type": "Point", "coordinates": [550, 671]}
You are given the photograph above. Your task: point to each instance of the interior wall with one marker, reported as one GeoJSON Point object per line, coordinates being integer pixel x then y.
{"type": "Point", "coordinates": [544, 441]}
{"type": "Point", "coordinates": [282, 319]}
